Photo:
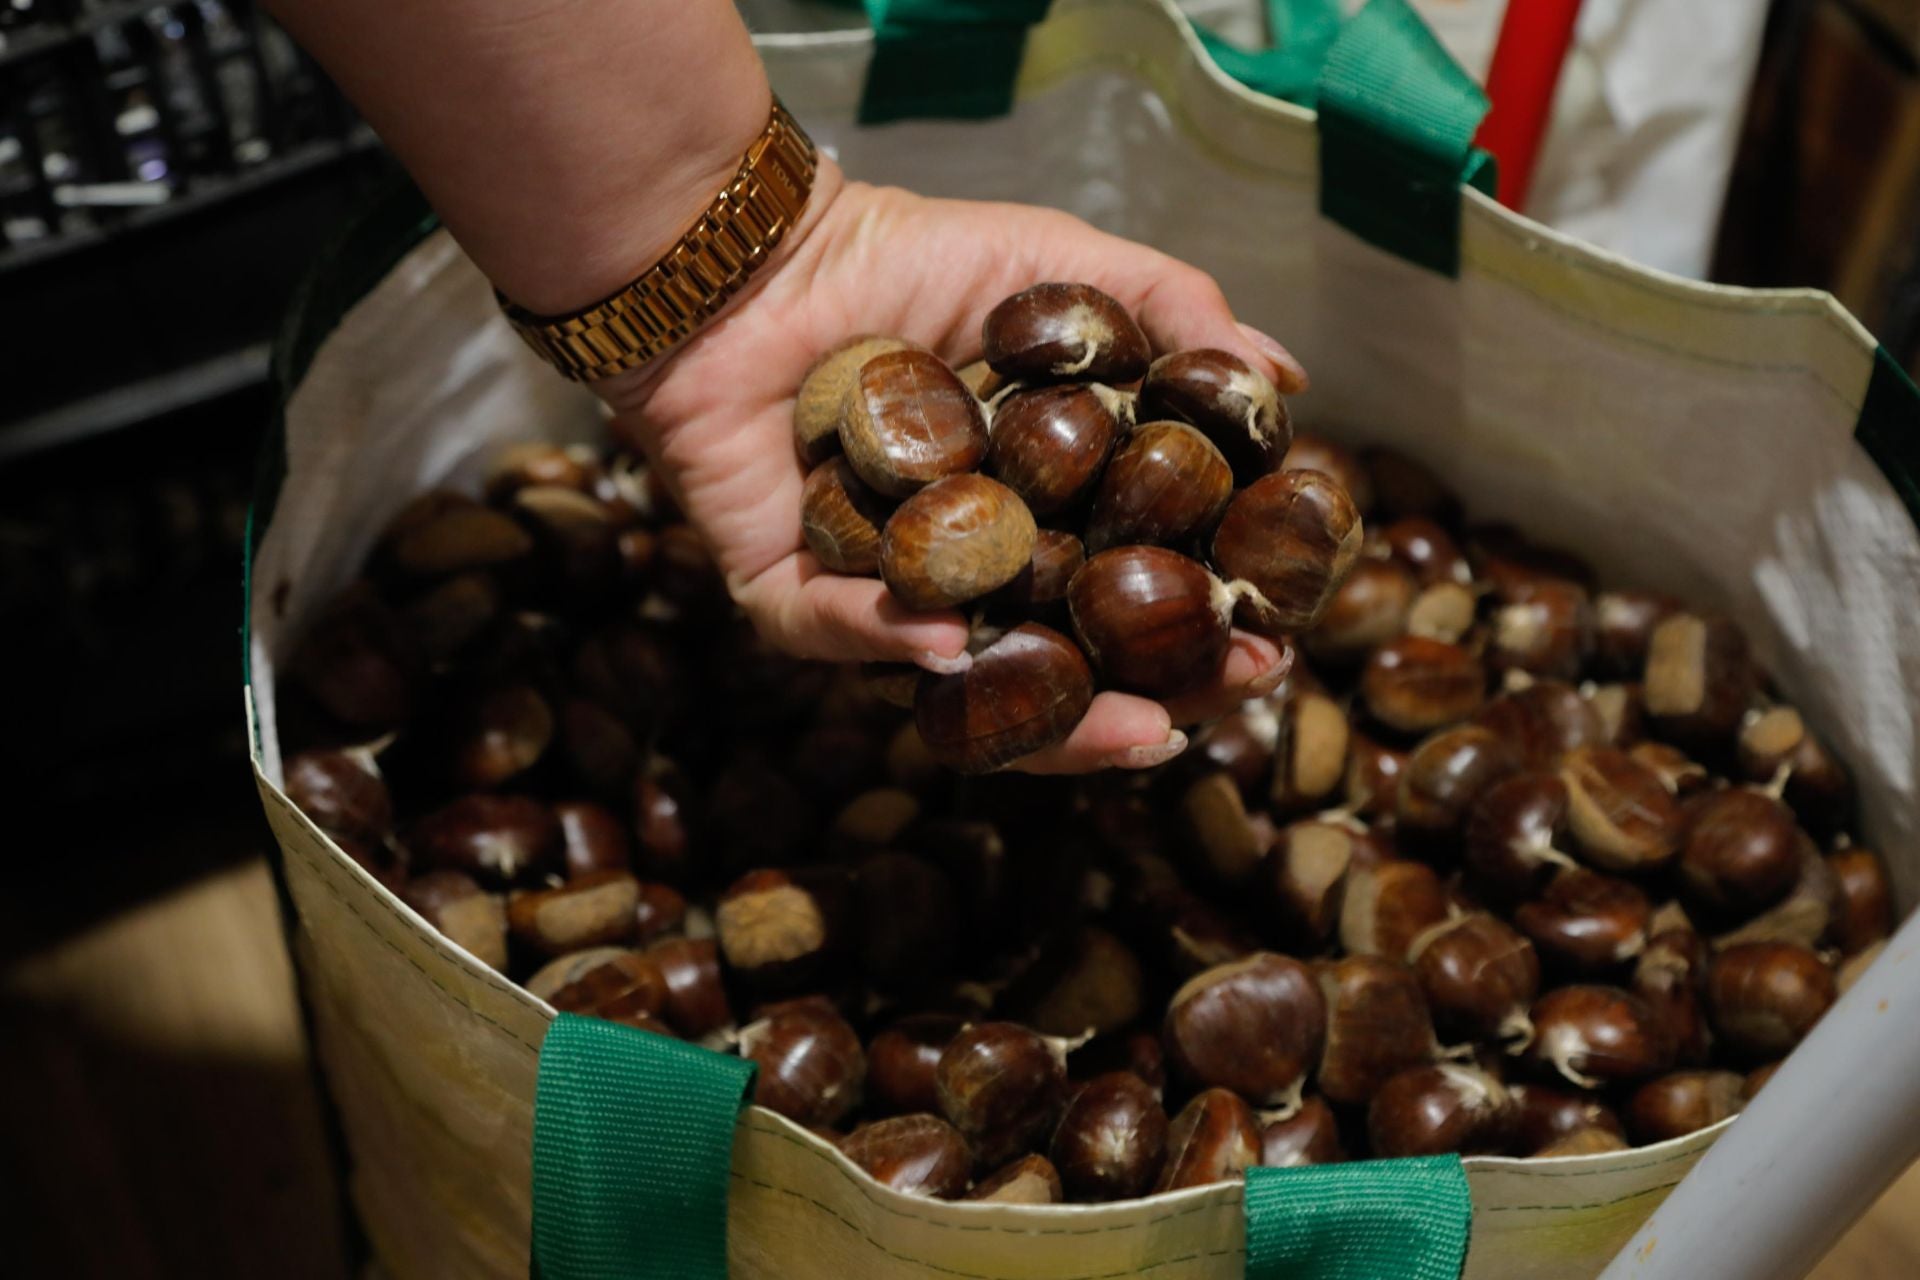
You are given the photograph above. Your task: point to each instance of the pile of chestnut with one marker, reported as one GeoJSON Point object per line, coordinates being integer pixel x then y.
{"type": "Point", "coordinates": [1510, 863]}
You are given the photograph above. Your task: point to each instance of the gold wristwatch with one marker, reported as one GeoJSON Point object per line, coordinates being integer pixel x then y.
{"type": "Point", "coordinates": [710, 264]}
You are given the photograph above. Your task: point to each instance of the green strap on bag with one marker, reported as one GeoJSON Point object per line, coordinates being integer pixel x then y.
{"type": "Point", "coordinates": [1375, 1220]}
{"type": "Point", "coordinates": [952, 59]}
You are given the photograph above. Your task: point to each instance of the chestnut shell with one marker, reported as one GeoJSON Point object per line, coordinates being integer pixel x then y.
{"type": "Point", "coordinates": [1024, 692]}
{"type": "Point", "coordinates": [1151, 620]}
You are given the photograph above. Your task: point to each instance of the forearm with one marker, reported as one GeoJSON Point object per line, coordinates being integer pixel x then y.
{"type": "Point", "coordinates": [566, 144]}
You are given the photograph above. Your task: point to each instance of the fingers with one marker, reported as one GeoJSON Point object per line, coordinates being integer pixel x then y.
{"type": "Point", "coordinates": [811, 613]}
{"type": "Point", "coordinates": [1183, 308]}
{"type": "Point", "coordinates": [1255, 666]}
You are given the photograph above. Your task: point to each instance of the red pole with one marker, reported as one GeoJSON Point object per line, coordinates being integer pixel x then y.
{"type": "Point", "coordinates": [1534, 37]}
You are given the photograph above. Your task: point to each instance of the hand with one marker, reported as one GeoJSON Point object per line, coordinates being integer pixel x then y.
{"type": "Point", "coordinates": [716, 418]}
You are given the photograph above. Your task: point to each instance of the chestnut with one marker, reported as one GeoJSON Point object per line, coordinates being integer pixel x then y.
{"type": "Point", "coordinates": [774, 929]}
{"type": "Point", "coordinates": [1621, 710]}
{"type": "Point", "coordinates": [1215, 1138]}
{"type": "Point", "coordinates": [1545, 629]}
{"type": "Point", "coordinates": [1293, 536]}
{"type": "Point", "coordinates": [1377, 1025]}
{"type": "Point", "coordinates": [1514, 835]}
{"type": "Point", "coordinates": [901, 1062]}
{"type": "Point", "coordinates": [754, 816]}
{"type": "Point", "coordinates": [1310, 1136]}
{"type": "Point", "coordinates": [452, 614]}
{"type": "Point", "coordinates": [1306, 874]}
{"type": "Point", "coordinates": [557, 973]}
{"type": "Point", "coordinates": [1057, 330]}
{"type": "Point", "coordinates": [1372, 783]}
{"type": "Point", "coordinates": [630, 669]}
{"type": "Point", "coordinates": [357, 662]}
{"type": "Point", "coordinates": [1805, 916]}
{"type": "Point", "coordinates": [1855, 966]}
{"type": "Point", "coordinates": [1240, 744]}
{"type": "Point", "coordinates": [1139, 1052]}
{"type": "Point", "coordinates": [1543, 1116]}
{"type": "Point", "coordinates": [443, 533]}
{"type": "Point", "coordinates": [1110, 1139]}
{"type": "Point", "coordinates": [1026, 690]}
{"type": "Point", "coordinates": [811, 1068]}
{"type": "Point", "coordinates": [1424, 546]}
{"type": "Point", "coordinates": [1404, 486]}
{"type": "Point", "coordinates": [540, 464]}
{"type": "Point", "coordinates": [954, 541]}
{"type": "Point", "coordinates": [661, 911]}
{"type": "Point", "coordinates": [1433, 1110]}
{"type": "Point", "coordinates": [909, 422]}
{"type": "Point", "coordinates": [1545, 720]}
{"type": "Point", "coordinates": [686, 575]}
{"type": "Point", "coordinates": [1623, 623]}
{"type": "Point", "coordinates": [1166, 485]}
{"type": "Point", "coordinates": [909, 937]}
{"type": "Point", "coordinates": [595, 909]}
{"type": "Point", "coordinates": [1000, 1084]}
{"type": "Point", "coordinates": [917, 1155]}
{"type": "Point", "coordinates": [823, 399]}
{"type": "Point", "coordinates": [1742, 851]}
{"type": "Point", "coordinates": [501, 735]}
{"type": "Point", "coordinates": [842, 760]}
{"type": "Point", "coordinates": [1682, 1103]}
{"type": "Point", "coordinates": [1254, 1025]}
{"type": "Point", "coordinates": [1370, 608]}
{"type": "Point", "coordinates": [1677, 773]}
{"type": "Point", "coordinates": [598, 745]}
{"type": "Point", "coordinates": [460, 909]}
{"type": "Point", "coordinates": [1511, 565]}
{"type": "Point", "coordinates": [1387, 906]}
{"type": "Point", "coordinates": [1670, 975]}
{"type": "Point", "coordinates": [697, 1002]}
{"type": "Point", "coordinates": [623, 986]}
{"type": "Point", "coordinates": [663, 847]}
{"type": "Point", "coordinates": [841, 518]}
{"type": "Point", "coordinates": [1595, 1035]}
{"type": "Point", "coordinates": [342, 792]}
{"type": "Point", "coordinates": [1582, 1142]}
{"type": "Point", "coordinates": [1230, 401]}
{"type": "Point", "coordinates": [591, 838]}
{"type": "Point", "coordinates": [1816, 787]}
{"type": "Point", "coordinates": [1049, 444]}
{"type": "Point", "coordinates": [1317, 453]}
{"type": "Point", "coordinates": [1699, 679]}
{"type": "Point", "coordinates": [1415, 685]}
{"type": "Point", "coordinates": [1151, 620]}
{"type": "Point", "coordinates": [1084, 981]}
{"type": "Point", "coordinates": [1057, 556]}
{"type": "Point", "coordinates": [1866, 899]}
{"type": "Point", "coordinates": [575, 537]}
{"type": "Point", "coordinates": [1764, 997]}
{"type": "Point", "coordinates": [1622, 816]}
{"type": "Point", "coordinates": [873, 820]}
{"type": "Point", "coordinates": [893, 683]}
{"type": "Point", "coordinates": [1227, 841]}
{"type": "Point", "coordinates": [1585, 922]}
{"type": "Point", "coordinates": [1312, 738]}
{"type": "Point", "coordinates": [1031, 1179]}
{"type": "Point", "coordinates": [498, 840]}
{"type": "Point", "coordinates": [1445, 775]}
{"type": "Point", "coordinates": [1480, 977]}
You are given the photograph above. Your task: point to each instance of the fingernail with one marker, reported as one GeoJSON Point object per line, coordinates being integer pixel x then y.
{"type": "Point", "coordinates": [1269, 680]}
{"type": "Point", "coordinates": [1149, 756]}
{"type": "Point", "coordinates": [941, 665]}
{"type": "Point", "coordinates": [1293, 375]}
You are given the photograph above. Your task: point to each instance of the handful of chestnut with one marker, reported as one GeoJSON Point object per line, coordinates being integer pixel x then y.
{"type": "Point", "coordinates": [1510, 863]}
{"type": "Point", "coordinates": [1137, 503]}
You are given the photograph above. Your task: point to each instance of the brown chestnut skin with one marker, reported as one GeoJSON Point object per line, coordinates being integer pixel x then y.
{"type": "Point", "coordinates": [342, 791]}
{"type": "Point", "coordinates": [1138, 1052]}
{"type": "Point", "coordinates": [1230, 402]}
{"type": "Point", "coordinates": [1544, 1115]}
{"type": "Point", "coordinates": [1584, 922]}
{"type": "Point", "coordinates": [662, 911]}
{"type": "Point", "coordinates": [1225, 839]}
{"type": "Point", "coordinates": [1317, 453]}
{"type": "Point", "coordinates": [451, 615]}
{"type": "Point", "coordinates": [1084, 981]}
{"type": "Point", "coordinates": [1372, 782]}
{"type": "Point", "coordinates": [1031, 1179]}
{"type": "Point", "coordinates": [812, 1070]}
{"type": "Point", "coordinates": [547, 981]}
{"type": "Point", "coordinates": [1805, 916]}
{"type": "Point", "coordinates": [1240, 744]}
{"type": "Point", "coordinates": [1000, 1084]}
{"type": "Point", "coordinates": [662, 845]}
{"type": "Point", "coordinates": [1310, 1136]}
{"type": "Point", "coordinates": [1699, 679]}
{"type": "Point", "coordinates": [1306, 874]}
{"type": "Point", "coordinates": [1057, 556]}
{"type": "Point", "coordinates": [1480, 977]}
{"type": "Point", "coordinates": [574, 537]}
{"type": "Point", "coordinates": [1582, 1142]}
{"type": "Point", "coordinates": [901, 1062]}
{"type": "Point", "coordinates": [1165, 485]}
{"type": "Point", "coordinates": [626, 987]}
{"type": "Point", "coordinates": [918, 1155]}
{"type": "Point", "coordinates": [955, 540]}
{"type": "Point", "coordinates": [502, 734]}
{"type": "Point", "coordinates": [1312, 738]}
{"type": "Point", "coordinates": [1866, 899]}
{"type": "Point", "coordinates": [1545, 720]}
{"type": "Point", "coordinates": [841, 519]}
{"type": "Point", "coordinates": [909, 422]}
{"type": "Point", "coordinates": [1387, 906]}
{"type": "Point", "coordinates": [1764, 997]}
{"type": "Point", "coordinates": [1025, 691]}
{"type": "Point", "coordinates": [498, 840]}
{"type": "Point", "coordinates": [358, 663]}
{"type": "Point", "coordinates": [596, 909]}
{"type": "Point", "coordinates": [1110, 1139]}
{"type": "Point", "coordinates": [1517, 835]}
{"type": "Point", "coordinates": [631, 671]}
{"type": "Point", "coordinates": [1377, 1025]}
{"type": "Point", "coordinates": [539, 464]}
{"type": "Point", "coordinates": [1817, 787]}
{"type": "Point", "coordinates": [1215, 1138]}
{"type": "Point", "coordinates": [909, 936]}
{"type": "Point", "coordinates": [1255, 1026]}
{"type": "Point", "coordinates": [1415, 685]}
{"type": "Point", "coordinates": [1367, 610]}
{"type": "Point", "coordinates": [598, 745]}
{"type": "Point", "coordinates": [1670, 976]}
{"type": "Point", "coordinates": [1425, 547]}
{"type": "Point", "coordinates": [441, 532]}
{"type": "Point", "coordinates": [1294, 536]}
{"type": "Point", "coordinates": [1404, 486]}
{"type": "Point", "coordinates": [1622, 816]}
{"type": "Point", "coordinates": [1741, 853]}
{"type": "Point", "coordinates": [591, 838]}
{"type": "Point", "coordinates": [697, 1002]}
{"type": "Point", "coordinates": [775, 930]}
{"type": "Point", "coordinates": [1595, 1035]}
{"type": "Point", "coordinates": [1623, 623]}
{"type": "Point", "coordinates": [1511, 565]}
{"type": "Point", "coordinates": [1064, 331]}
{"type": "Point", "coordinates": [455, 904]}
{"type": "Point", "coordinates": [1150, 620]}
{"type": "Point", "coordinates": [1621, 710]}
{"type": "Point", "coordinates": [822, 402]}
{"type": "Point", "coordinates": [1050, 444]}
{"type": "Point", "coordinates": [1682, 1103]}
{"type": "Point", "coordinates": [1433, 1110]}
{"type": "Point", "coordinates": [1445, 774]}
{"type": "Point", "coordinates": [1545, 629]}
{"type": "Point", "coordinates": [1679, 774]}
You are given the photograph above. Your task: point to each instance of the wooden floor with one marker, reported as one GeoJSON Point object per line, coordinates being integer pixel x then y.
{"type": "Point", "coordinates": [160, 1119]}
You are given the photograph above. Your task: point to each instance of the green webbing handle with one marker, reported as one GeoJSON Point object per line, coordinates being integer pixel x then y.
{"type": "Point", "coordinates": [952, 59]}
{"type": "Point", "coordinates": [1374, 1220]}
{"type": "Point", "coordinates": [632, 1147]}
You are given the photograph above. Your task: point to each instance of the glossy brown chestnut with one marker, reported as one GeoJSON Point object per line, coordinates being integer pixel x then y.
{"type": "Point", "coordinates": [555, 974]}
{"type": "Point", "coordinates": [1670, 976]}
{"type": "Point", "coordinates": [1621, 710]}
{"type": "Point", "coordinates": [1415, 685]}
{"type": "Point", "coordinates": [697, 1002]}
{"type": "Point", "coordinates": [1582, 1142]}
{"type": "Point", "coordinates": [1226, 840]}
{"type": "Point", "coordinates": [1310, 1136]}
{"type": "Point", "coordinates": [1446, 773]}
{"type": "Point", "coordinates": [1677, 773]}
{"type": "Point", "coordinates": [1028, 1180]}
{"type": "Point", "coordinates": [453, 903]}
{"type": "Point", "coordinates": [1293, 536]}
{"type": "Point", "coordinates": [873, 821]}
{"type": "Point", "coordinates": [909, 422]}
{"type": "Point", "coordinates": [1050, 444]}
{"type": "Point", "coordinates": [662, 846]}
{"type": "Point", "coordinates": [1622, 816]}
{"type": "Point", "coordinates": [538, 463]}
{"type": "Point", "coordinates": [1424, 546]}
{"type": "Point", "coordinates": [623, 986]}
{"type": "Point", "coordinates": [595, 909]}
{"type": "Point", "coordinates": [1866, 899]}
{"type": "Point", "coordinates": [823, 400]}
{"type": "Point", "coordinates": [1370, 608]}
{"type": "Point", "coordinates": [811, 1069]}
{"type": "Point", "coordinates": [499, 736]}
{"type": "Point", "coordinates": [342, 791]}
{"type": "Point", "coordinates": [1215, 1138]}
{"type": "Point", "coordinates": [1228, 400]}
{"type": "Point", "coordinates": [1764, 997]}
{"type": "Point", "coordinates": [598, 745]}
{"type": "Point", "coordinates": [1511, 564]}
{"type": "Point", "coordinates": [1377, 1025]}
{"type": "Point", "coordinates": [1084, 981]}
{"type": "Point", "coordinates": [1545, 720]}
{"type": "Point", "coordinates": [1682, 1103]}
{"type": "Point", "coordinates": [662, 911]}
{"type": "Point", "coordinates": [1433, 1110]}
{"type": "Point", "coordinates": [685, 573]}
{"type": "Point", "coordinates": [955, 540]}
{"type": "Point", "coordinates": [1000, 1084]}
{"type": "Point", "coordinates": [358, 662]}
{"type": "Point", "coordinates": [901, 1062]}
{"type": "Point", "coordinates": [1804, 917]}
{"type": "Point", "coordinates": [1595, 1035]}
{"type": "Point", "coordinates": [1543, 1115]}
{"type": "Point", "coordinates": [1623, 623]}
{"type": "Point", "coordinates": [1699, 680]}
{"type": "Point", "coordinates": [498, 840]}
{"type": "Point", "coordinates": [1139, 1052]}
{"type": "Point", "coordinates": [442, 533]}
{"type": "Point", "coordinates": [1404, 486]}
{"type": "Point", "coordinates": [773, 929]}
{"type": "Point", "coordinates": [1070, 331]}
{"type": "Point", "coordinates": [918, 1155]}
{"type": "Point", "coordinates": [1480, 977]}
{"type": "Point", "coordinates": [1317, 453]}
{"type": "Point", "coordinates": [1240, 744]}
{"type": "Point", "coordinates": [1151, 620]}
{"type": "Point", "coordinates": [1584, 922]}
{"type": "Point", "coordinates": [449, 616]}
{"type": "Point", "coordinates": [591, 838]}
{"type": "Point", "coordinates": [1517, 835]}
{"type": "Point", "coordinates": [1026, 690]}
{"type": "Point", "coordinates": [1111, 1139]}
{"type": "Point", "coordinates": [1311, 740]}
{"type": "Point", "coordinates": [1742, 851]}
{"type": "Point", "coordinates": [1166, 485]}
{"type": "Point", "coordinates": [575, 540]}
{"type": "Point", "coordinates": [841, 518]}
{"type": "Point", "coordinates": [631, 670]}
{"type": "Point", "coordinates": [1306, 873]}
{"type": "Point", "coordinates": [1372, 782]}
{"type": "Point", "coordinates": [1254, 1025]}
{"type": "Point", "coordinates": [1387, 906]}
{"type": "Point", "coordinates": [1817, 787]}
{"type": "Point", "coordinates": [1546, 629]}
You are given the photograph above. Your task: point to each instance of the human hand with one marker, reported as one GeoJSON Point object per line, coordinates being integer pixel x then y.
{"type": "Point", "coordinates": [716, 418]}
